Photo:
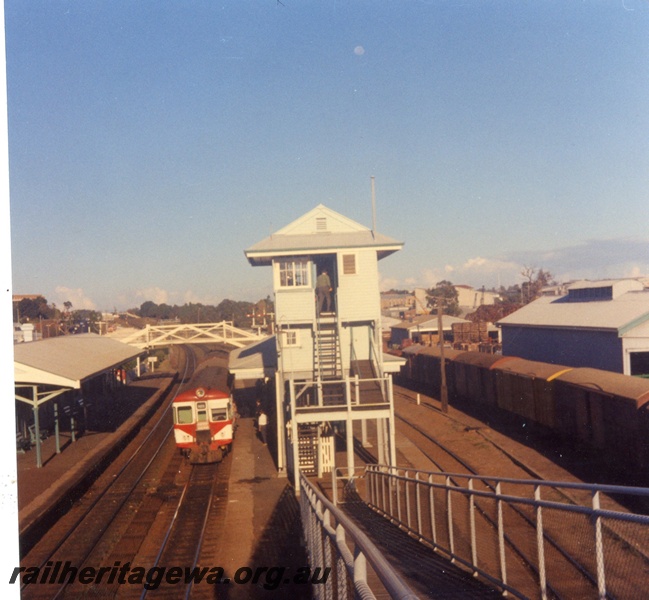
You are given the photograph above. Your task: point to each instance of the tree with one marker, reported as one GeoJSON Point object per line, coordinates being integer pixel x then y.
{"type": "Point", "coordinates": [237, 312]}
{"type": "Point", "coordinates": [513, 293]}
{"type": "Point", "coordinates": [84, 320]}
{"type": "Point", "coordinates": [537, 279]}
{"type": "Point", "coordinates": [491, 313]}
{"type": "Point", "coordinates": [444, 292]}
{"type": "Point", "coordinates": [33, 309]}
{"type": "Point", "coordinates": [148, 309]}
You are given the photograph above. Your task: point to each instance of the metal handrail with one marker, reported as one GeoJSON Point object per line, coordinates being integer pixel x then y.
{"type": "Point", "coordinates": [425, 503]}
{"type": "Point", "coordinates": [327, 529]}
{"type": "Point", "coordinates": [377, 358]}
{"type": "Point", "coordinates": [347, 382]}
{"type": "Point", "coordinates": [590, 487]}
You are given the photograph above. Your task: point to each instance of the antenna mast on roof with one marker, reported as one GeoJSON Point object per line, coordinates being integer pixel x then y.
{"type": "Point", "coordinates": [373, 208]}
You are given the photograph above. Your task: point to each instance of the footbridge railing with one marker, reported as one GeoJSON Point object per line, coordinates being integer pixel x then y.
{"type": "Point", "coordinates": [197, 333]}
{"type": "Point", "coordinates": [334, 541]}
{"type": "Point", "coordinates": [530, 538]}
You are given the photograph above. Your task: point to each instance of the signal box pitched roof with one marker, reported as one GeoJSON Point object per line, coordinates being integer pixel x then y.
{"type": "Point", "coordinates": [319, 231]}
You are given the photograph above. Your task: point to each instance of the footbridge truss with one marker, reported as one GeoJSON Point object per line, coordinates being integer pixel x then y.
{"type": "Point", "coordinates": [153, 336]}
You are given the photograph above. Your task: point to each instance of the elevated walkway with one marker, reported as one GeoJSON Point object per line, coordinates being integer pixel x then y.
{"type": "Point", "coordinates": [428, 573]}
{"type": "Point", "coordinates": [153, 336]}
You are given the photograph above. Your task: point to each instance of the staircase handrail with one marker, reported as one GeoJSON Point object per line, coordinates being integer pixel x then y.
{"type": "Point", "coordinates": [327, 529]}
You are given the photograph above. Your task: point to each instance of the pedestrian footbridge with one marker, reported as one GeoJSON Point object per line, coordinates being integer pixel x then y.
{"type": "Point", "coordinates": [412, 534]}
{"type": "Point", "coordinates": [153, 336]}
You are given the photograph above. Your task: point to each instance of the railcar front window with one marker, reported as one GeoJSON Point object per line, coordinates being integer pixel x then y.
{"type": "Point", "coordinates": [184, 415]}
{"type": "Point", "coordinates": [219, 414]}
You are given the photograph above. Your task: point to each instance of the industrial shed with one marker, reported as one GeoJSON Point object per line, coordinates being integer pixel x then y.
{"type": "Point", "coordinates": [422, 330]}
{"type": "Point", "coordinates": [602, 325]}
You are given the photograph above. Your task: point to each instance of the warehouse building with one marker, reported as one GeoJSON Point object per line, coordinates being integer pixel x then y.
{"type": "Point", "coordinates": [598, 324]}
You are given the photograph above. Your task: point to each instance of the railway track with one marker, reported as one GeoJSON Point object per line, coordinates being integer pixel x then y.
{"type": "Point", "coordinates": [570, 555]}
{"type": "Point", "coordinates": [184, 540]}
{"type": "Point", "coordinates": [141, 477]}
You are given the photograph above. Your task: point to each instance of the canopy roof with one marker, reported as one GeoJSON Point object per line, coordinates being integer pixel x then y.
{"type": "Point", "coordinates": [255, 361]}
{"type": "Point", "coordinates": [69, 360]}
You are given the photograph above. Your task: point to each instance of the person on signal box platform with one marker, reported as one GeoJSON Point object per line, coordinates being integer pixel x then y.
{"type": "Point", "coordinates": [323, 290]}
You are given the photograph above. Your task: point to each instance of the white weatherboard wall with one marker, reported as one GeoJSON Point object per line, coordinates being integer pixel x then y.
{"type": "Point", "coordinates": [636, 340]}
{"type": "Point", "coordinates": [294, 305]}
{"type": "Point", "coordinates": [358, 294]}
{"type": "Point", "coordinates": [323, 239]}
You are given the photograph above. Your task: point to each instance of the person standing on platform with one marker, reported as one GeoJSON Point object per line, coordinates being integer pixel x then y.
{"type": "Point", "coordinates": [323, 290]}
{"type": "Point", "coordinates": [262, 423]}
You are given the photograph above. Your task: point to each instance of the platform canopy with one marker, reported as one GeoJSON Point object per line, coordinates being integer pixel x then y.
{"type": "Point", "coordinates": [255, 361]}
{"type": "Point", "coordinates": [66, 361]}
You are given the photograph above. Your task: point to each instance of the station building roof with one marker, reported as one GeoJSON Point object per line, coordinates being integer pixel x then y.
{"type": "Point", "coordinates": [319, 231]}
{"type": "Point", "coordinates": [67, 361]}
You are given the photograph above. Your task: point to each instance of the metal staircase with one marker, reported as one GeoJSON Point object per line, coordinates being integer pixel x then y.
{"type": "Point", "coordinates": [371, 389]}
{"type": "Point", "coordinates": [327, 363]}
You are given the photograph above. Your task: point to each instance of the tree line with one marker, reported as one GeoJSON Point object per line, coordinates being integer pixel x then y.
{"type": "Point", "coordinates": [511, 298]}
{"type": "Point", "coordinates": [239, 312]}
{"type": "Point", "coordinates": [66, 319]}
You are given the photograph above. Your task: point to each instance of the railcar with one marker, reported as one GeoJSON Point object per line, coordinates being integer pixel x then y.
{"type": "Point", "coordinates": [204, 418]}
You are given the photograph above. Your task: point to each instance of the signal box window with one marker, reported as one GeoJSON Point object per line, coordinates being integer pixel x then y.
{"type": "Point", "coordinates": [293, 273]}
{"type": "Point", "coordinates": [184, 415]}
{"type": "Point", "coordinates": [290, 338]}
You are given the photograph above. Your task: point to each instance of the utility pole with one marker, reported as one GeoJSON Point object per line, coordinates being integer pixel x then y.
{"type": "Point", "coordinates": [440, 332]}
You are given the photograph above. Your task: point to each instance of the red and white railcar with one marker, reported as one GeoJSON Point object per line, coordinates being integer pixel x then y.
{"type": "Point", "coordinates": [204, 424]}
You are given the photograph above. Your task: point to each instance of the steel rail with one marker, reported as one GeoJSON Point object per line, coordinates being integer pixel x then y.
{"type": "Point", "coordinates": [175, 520]}
{"type": "Point", "coordinates": [116, 478]}
{"type": "Point", "coordinates": [583, 571]}
{"type": "Point", "coordinates": [557, 486]}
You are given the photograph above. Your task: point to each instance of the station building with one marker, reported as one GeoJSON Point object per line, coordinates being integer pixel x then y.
{"type": "Point", "coordinates": [331, 371]}
{"type": "Point", "coordinates": [56, 380]}
{"type": "Point", "coordinates": [598, 324]}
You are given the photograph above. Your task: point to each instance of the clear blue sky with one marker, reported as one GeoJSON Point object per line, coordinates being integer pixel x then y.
{"type": "Point", "coordinates": [151, 142]}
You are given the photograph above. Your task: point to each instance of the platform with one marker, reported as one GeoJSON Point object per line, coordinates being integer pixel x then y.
{"type": "Point", "coordinates": [39, 489]}
{"type": "Point", "coordinates": [262, 525]}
